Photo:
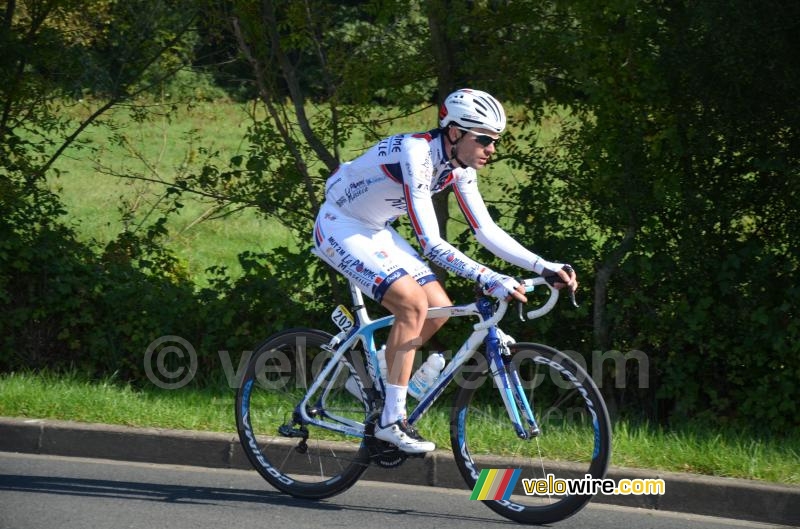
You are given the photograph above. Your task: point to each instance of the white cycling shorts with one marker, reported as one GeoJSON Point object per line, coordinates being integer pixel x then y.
{"type": "Point", "coordinates": [371, 257]}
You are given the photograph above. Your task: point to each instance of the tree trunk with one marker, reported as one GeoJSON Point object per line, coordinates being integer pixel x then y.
{"type": "Point", "coordinates": [600, 325]}
{"type": "Point", "coordinates": [445, 84]}
{"type": "Point", "coordinates": [283, 129]}
{"type": "Point", "coordinates": [298, 99]}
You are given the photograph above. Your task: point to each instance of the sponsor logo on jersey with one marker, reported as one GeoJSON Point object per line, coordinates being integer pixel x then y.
{"type": "Point", "coordinates": [356, 268]}
{"type": "Point", "coordinates": [445, 179]}
{"type": "Point", "coordinates": [336, 246]}
{"type": "Point", "coordinates": [355, 190]}
{"type": "Point", "coordinates": [390, 144]}
{"type": "Point", "coordinates": [394, 275]}
{"type": "Point", "coordinates": [447, 257]}
{"type": "Point", "coordinates": [398, 203]}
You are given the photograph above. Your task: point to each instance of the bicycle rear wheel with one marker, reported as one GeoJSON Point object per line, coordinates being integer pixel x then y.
{"type": "Point", "coordinates": [303, 460]}
{"type": "Point", "coordinates": [574, 438]}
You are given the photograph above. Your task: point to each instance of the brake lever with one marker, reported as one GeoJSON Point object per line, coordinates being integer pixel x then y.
{"type": "Point", "coordinates": [568, 268]}
{"type": "Point", "coordinates": [572, 298]}
{"type": "Point", "coordinates": [554, 278]}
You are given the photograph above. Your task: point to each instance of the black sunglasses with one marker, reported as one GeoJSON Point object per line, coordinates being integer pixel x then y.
{"type": "Point", "coordinates": [483, 139]}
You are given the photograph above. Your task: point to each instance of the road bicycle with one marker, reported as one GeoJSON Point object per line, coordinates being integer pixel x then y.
{"type": "Point", "coordinates": [310, 436]}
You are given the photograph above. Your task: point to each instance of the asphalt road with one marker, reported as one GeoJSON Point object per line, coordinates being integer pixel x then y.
{"type": "Point", "coordinates": [49, 491]}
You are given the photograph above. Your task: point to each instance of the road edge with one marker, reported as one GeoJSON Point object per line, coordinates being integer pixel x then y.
{"type": "Point", "coordinates": [689, 493]}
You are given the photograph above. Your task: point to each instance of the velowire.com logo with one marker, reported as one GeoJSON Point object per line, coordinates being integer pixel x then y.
{"type": "Point", "coordinates": [495, 484]}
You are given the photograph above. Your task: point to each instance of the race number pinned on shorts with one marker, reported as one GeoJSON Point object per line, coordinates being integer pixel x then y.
{"type": "Point", "coordinates": [343, 319]}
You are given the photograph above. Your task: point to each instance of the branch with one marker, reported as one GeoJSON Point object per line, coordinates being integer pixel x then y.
{"type": "Point", "coordinates": [327, 78]}
{"type": "Point", "coordinates": [282, 129]}
{"type": "Point", "coordinates": [36, 24]}
{"type": "Point", "coordinates": [11, 6]}
{"type": "Point", "coordinates": [71, 138]}
{"type": "Point", "coordinates": [180, 185]}
{"type": "Point", "coordinates": [147, 215]}
{"type": "Point", "coordinates": [229, 212]}
{"type": "Point", "coordinates": [437, 13]}
{"type": "Point", "coordinates": [294, 89]}
{"type": "Point", "coordinates": [204, 216]}
{"type": "Point", "coordinates": [602, 277]}
{"type": "Point", "coordinates": [117, 99]}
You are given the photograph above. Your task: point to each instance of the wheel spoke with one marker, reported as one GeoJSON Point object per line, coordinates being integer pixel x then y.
{"type": "Point", "coordinates": [564, 446]}
{"type": "Point", "coordinates": [273, 393]}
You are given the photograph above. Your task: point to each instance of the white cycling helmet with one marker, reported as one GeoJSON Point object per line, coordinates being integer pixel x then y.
{"type": "Point", "coordinates": [472, 108]}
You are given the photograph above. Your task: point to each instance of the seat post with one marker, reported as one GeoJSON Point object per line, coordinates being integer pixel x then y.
{"type": "Point", "coordinates": [358, 304]}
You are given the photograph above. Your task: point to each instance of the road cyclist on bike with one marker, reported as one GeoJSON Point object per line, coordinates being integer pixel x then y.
{"type": "Point", "coordinates": [398, 176]}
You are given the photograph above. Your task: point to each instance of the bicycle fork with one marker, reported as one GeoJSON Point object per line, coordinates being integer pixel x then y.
{"type": "Point", "coordinates": [506, 378]}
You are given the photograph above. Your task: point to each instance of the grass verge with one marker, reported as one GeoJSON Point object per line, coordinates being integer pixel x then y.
{"type": "Point", "coordinates": [695, 449]}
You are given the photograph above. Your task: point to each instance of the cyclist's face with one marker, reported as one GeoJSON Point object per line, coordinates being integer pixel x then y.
{"type": "Point", "coordinates": [471, 148]}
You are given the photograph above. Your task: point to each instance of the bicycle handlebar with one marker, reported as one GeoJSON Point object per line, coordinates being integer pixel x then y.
{"type": "Point", "coordinates": [529, 285]}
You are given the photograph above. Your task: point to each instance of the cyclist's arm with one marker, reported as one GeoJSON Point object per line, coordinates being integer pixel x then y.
{"type": "Point", "coordinates": [489, 234]}
{"type": "Point", "coordinates": [416, 166]}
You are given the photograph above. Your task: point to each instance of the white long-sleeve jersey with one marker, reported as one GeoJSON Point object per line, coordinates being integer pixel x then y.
{"type": "Point", "coordinates": [398, 176]}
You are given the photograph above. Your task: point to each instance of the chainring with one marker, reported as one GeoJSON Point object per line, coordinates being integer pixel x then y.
{"type": "Point", "coordinates": [383, 454]}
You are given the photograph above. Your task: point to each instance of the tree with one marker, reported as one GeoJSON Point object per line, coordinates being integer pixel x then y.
{"type": "Point", "coordinates": [677, 164]}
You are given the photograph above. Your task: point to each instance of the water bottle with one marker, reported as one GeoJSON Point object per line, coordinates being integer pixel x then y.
{"type": "Point", "coordinates": [426, 375]}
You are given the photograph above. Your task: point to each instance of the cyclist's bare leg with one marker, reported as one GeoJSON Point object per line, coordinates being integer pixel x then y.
{"type": "Point", "coordinates": [437, 297]}
{"type": "Point", "coordinates": [406, 334]}
{"type": "Point", "coordinates": [407, 300]}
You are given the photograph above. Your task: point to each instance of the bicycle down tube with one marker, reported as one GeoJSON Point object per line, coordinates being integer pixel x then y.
{"type": "Point", "coordinates": [506, 378]}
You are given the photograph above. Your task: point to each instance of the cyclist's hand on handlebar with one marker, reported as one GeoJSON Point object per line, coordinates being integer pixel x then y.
{"type": "Point", "coordinates": [566, 277]}
{"type": "Point", "coordinates": [518, 294]}
{"type": "Point", "coordinates": [503, 287]}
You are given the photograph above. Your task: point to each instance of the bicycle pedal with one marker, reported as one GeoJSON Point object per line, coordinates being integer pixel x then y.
{"type": "Point", "coordinates": [288, 430]}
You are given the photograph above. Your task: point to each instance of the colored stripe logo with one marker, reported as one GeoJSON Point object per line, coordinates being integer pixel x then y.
{"type": "Point", "coordinates": [495, 484]}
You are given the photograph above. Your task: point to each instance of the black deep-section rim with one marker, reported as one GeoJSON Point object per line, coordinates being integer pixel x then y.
{"type": "Point", "coordinates": [269, 470]}
{"type": "Point", "coordinates": [517, 511]}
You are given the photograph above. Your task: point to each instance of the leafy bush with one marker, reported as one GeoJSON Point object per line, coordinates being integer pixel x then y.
{"type": "Point", "coordinates": [70, 305]}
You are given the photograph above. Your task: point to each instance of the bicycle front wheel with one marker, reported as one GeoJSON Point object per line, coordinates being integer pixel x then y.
{"type": "Point", "coordinates": [303, 460]}
{"type": "Point", "coordinates": [574, 438]}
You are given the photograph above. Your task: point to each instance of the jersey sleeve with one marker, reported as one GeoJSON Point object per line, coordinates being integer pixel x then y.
{"type": "Point", "coordinates": [417, 170]}
{"type": "Point", "coordinates": [489, 234]}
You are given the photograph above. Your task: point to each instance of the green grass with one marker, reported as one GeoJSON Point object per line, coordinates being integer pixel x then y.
{"type": "Point", "coordinates": [95, 200]}
{"type": "Point", "coordinates": [690, 449]}
{"type": "Point", "coordinates": [161, 148]}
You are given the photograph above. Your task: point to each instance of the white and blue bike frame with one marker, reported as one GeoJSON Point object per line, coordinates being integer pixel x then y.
{"type": "Point", "coordinates": [362, 329]}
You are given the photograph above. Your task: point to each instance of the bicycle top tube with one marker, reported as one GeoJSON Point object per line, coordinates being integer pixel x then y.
{"type": "Point", "coordinates": [364, 328]}
{"type": "Point", "coordinates": [471, 309]}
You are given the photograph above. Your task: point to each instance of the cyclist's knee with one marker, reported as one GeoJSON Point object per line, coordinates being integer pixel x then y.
{"type": "Point", "coordinates": [413, 309]}
{"type": "Point", "coordinates": [437, 297]}
{"type": "Point", "coordinates": [407, 301]}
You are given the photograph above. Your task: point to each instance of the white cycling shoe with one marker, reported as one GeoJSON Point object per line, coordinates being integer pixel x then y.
{"type": "Point", "coordinates": [404, 437]}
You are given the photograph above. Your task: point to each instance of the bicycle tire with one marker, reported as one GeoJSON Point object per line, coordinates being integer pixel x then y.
{"type": "Point", "coordinates": [585, 447]}
{"type": "Point", "coordinates": [263, 405]}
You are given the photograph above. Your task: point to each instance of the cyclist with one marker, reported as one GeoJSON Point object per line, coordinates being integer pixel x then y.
{"type": "Point", "coordinates": [398, 176]}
